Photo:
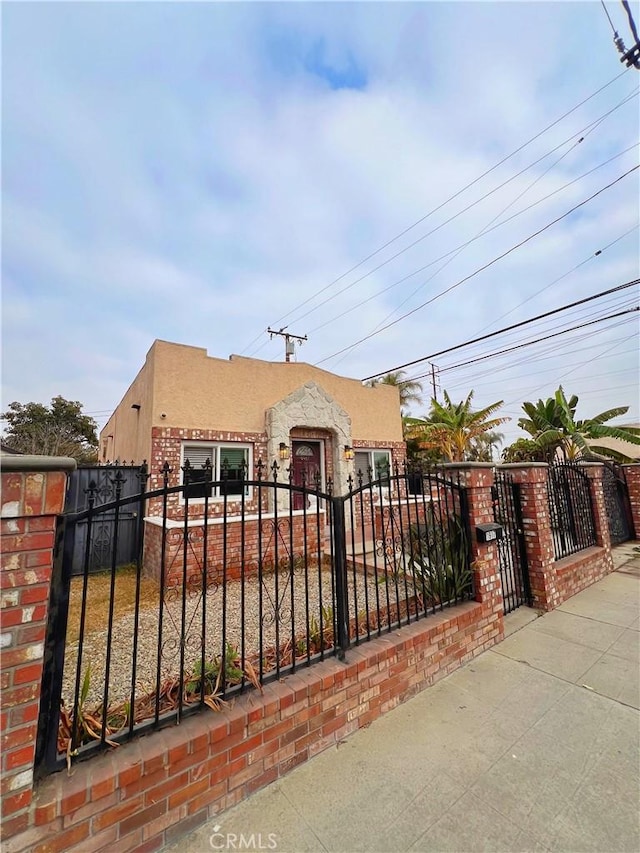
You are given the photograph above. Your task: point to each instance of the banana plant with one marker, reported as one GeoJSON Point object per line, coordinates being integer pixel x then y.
{"type": "Point", "coordinates": [553, 426]}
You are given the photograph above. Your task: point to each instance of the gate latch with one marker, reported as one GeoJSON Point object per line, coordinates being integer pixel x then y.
{"type": "Point", "coordinates": [488, 532]}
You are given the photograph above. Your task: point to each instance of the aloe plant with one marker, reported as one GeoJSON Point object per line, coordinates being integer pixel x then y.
{"type": "Point", "coordinates": [439, 557]}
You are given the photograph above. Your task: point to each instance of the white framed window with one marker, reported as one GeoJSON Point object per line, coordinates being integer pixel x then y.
{"type": "Point", "coordinates": [231, 466]}
{"type": "Point", "coordinates": [374, 464]}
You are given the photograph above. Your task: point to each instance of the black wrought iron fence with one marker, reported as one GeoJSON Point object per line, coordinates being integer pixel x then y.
{"type": "Point", "coordinates": [407, 549]}
{"type": "Point", "coordinates": [571, 509]}
{"type": "Point", "coordinates": [512, 549]}
{"type": "Point", "coordinates": [616, 503]}
{"type": "Point", "coordinates": [231, 587]}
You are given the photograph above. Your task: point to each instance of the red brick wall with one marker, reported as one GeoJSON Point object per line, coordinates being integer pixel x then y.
{"type": "Point", "coordinates": [632, 477]}
{"type": "Point", "coordinates": [31, 502]}
{"type": "Point", "coordinates": [534, 501]}
{"type": "Point", "coordinates": [577, 572]}
{"type": "Point", "coordinates": [580, 570]}
{"type": "Point", "coordinates": [255, 547]}
{"type": "Point", "coordinates": [477, 478]}
{"type": "Point", "coordinates": [553, 581]}
{"type": "Point", "coordinates": [153, 790]}
{"type": "Point", "coordinates": [158, 787]}
{"type": "Point", "coordinates": [166, 444]}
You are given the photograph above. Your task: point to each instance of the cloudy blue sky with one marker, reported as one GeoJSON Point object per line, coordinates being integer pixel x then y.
{"type": "Point", "coordinates": [199, 171]}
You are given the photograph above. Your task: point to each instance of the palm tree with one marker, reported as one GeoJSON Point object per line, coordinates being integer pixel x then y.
{"type": "Point", "coordinates": [452, 428]}
{"type": "Point", "coordinates": [483, 447]}
{"type": "Point", "coordinates": [410, 390]}
{"type": "Point", "coordinates": [552, 425]}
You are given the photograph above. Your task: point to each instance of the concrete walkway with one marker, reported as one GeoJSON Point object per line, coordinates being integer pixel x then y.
{"type": "Point", "coordinates": [535, 745]}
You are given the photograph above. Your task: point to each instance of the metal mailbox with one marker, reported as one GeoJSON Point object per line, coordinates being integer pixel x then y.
{"type": "Point", "coordinates": [488, 532]}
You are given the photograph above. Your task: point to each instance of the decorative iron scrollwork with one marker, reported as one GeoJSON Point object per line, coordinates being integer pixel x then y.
{"type": "Point", "coordinates": [390, 545]}
{"type": "Point", "coordinates": [613, 491]}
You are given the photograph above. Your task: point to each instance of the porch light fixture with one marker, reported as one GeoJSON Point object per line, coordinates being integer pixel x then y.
{"type": "Point", "coordinates": [348, 452]}
{"type": "Point", "coordinates": [284, 450]}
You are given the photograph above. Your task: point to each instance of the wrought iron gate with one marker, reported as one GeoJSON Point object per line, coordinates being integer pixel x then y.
{"type": "Point", "coordinates": [571, 510]}
{"type": "Point", "coordinates": [512, 553]}
{"type": "Point", "coordinates": [616, 501]}
{"type": "Point", "coordinates": [234, 588]}
{"type": "Point", "coordinates": [99, 482]}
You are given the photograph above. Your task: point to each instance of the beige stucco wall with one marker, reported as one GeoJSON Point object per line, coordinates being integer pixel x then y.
{"type": "Point", "coordinates": [201, 392]}
{"type": "Point", "coordinates": [130, 428]}
{"type": "Point", "coordinates": [195, 391]}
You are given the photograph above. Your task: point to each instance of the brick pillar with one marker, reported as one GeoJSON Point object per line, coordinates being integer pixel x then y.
{"type": "Point", "coordinates": [632, 477]}
{"type": "Point", "coordinates": [594, 471]}
{"type": "Point", "coordinates": [477, 478]}
{"type": "Point", "coordinates": [534, 495]}
{"type": "Point", "coordinates": [33, 492]}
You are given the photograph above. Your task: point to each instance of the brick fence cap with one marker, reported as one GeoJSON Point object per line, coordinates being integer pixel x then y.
{"type": "Point", "coordinates": [523, 465]}
{"type": "Point", "coordinates": [37, 463]}
{"type": "Point", "coordinates": [467, 465]}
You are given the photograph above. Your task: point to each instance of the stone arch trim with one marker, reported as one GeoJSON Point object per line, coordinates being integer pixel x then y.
{"type": "Point", "coordinates": [312, 407]}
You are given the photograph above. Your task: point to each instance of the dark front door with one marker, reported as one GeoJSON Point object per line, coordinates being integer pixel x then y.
{"type": "Point", "coordinates": [306, 468]}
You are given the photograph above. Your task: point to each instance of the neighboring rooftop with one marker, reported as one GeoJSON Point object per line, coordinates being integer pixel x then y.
{"type": "Point", "coordinates": [630, 450]}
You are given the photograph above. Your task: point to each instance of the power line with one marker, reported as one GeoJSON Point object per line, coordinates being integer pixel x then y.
{"type": "Point", "coordinates": [499, 353]}
{"type": "Point", "coordinates": [609, 17]}
{"type": "Point", "coordinates": [573, 370]}
{"type": "Point", "coordinates": [566, 307]}
{"type": "Point", "coordinates": [632, 25]}
{"type": "Point", "coordinates": [483, 267]}
{"type": "Point", "coordinates": [552, 348]}
{"type": "Point", "coordinates": [487, 230]}
{"type": "Point", "coordinates": [546, 355]}
{"type": "Point", "coordinates": [537, 340]}
{"type": "Point", "coordinates": [563, 325]}
{"type": "Point", "coordinates": [608, 388]}
{"type": "Point", "coordinates": [506, 329]}
{"type": "Point", "coordinates": [451, 198]}
{"type": "Point", "coordinates": [454, 253]}
{"type": "Point", "coordinates": [590, 334]}
{"type": "Point", "coordinates": [596, 254]}
{"type": "Point", "coordinates": [548, 370]}
{"type": "Point", "coordinates": [550, 324]}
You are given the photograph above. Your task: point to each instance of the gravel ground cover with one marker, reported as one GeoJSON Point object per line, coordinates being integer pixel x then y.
{"type": "Point", "coordinates": [161, 649]}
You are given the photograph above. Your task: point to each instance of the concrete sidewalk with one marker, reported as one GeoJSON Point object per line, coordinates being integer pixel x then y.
{"type": "Point", "coordinates": [535, 745]}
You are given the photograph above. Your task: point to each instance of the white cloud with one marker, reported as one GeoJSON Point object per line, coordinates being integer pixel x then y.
{"type": "Point", "coordinates": [188, 172]}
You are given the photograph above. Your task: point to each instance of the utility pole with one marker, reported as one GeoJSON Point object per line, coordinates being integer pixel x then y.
{"type": "Point", "coordinates": [434, 374]}
{"type": "Point", "coordinates": [289, 341]}
{"type": "Point", "coordinates": [630, 57]}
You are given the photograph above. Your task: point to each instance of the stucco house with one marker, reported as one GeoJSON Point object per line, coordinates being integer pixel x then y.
{"type": "Point", "coordinates": [186, 405]}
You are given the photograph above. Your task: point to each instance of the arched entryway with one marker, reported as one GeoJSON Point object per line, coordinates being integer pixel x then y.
{"type": "Point", "coordinates": [310, 407]}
